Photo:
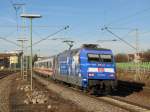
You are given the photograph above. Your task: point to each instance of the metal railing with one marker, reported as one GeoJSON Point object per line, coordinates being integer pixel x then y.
{"type": "Point", "coordinates": [131, 66]}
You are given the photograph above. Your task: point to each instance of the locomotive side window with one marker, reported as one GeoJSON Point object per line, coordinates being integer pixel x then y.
{"type": "Point", "coordinates": [93, 58]}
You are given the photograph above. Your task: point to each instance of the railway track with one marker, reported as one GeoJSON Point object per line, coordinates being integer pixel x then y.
{"type": "Point", "coordinates": [137, 106]}
{"type": "Point", "coordinates": [116, 102]}
{"type": "Point", "coordinates": [120, 102]}
{"type": "Point", "coordinates": [4, 74]}
{"type": "Point", "coordinates": [130, 106]}
{"type": "Point", "coordinates": [5, 82]}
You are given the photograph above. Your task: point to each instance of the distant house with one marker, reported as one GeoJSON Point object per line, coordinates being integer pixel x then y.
{"type": "Point", "coordinates": [130, 57]}
{"type": "Point", "coordinates": [9, 60]}
{"type": "Point", "coordinates": [135, 57]}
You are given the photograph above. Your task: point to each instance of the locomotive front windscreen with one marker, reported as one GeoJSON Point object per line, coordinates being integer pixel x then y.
{"type": "Point", "coordinates": [100, 58]}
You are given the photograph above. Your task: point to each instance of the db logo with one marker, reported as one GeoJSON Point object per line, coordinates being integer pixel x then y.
{"type": "Point", "coordinates": [100, 69]}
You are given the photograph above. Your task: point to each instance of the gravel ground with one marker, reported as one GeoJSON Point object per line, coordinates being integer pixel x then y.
{"type": "Point", "coordinates": [5, 84]}
{"type": "Point", "coordinates": [137, 97]}
{"type": "Point", "coordinates": [54, 102]}
{"type": "Point", "coordinates": [132, 95]}
{"type": "Point", "coordinates": [85, 102]}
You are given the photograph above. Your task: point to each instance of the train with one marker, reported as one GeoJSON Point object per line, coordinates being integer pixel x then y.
{"type": "Point", "coordinates": [89, 67]}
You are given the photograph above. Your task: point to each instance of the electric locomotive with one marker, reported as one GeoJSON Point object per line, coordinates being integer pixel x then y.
{"type": "Point", "coordinates": [88, 67]}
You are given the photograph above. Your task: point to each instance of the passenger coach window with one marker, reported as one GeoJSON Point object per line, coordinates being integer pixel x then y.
{"type": "Point", "coordinates": [93, 57]}
{"type": "Point", "coordinates": [50, 64]}
{"type": "Point", "coordinates": [106, 57]}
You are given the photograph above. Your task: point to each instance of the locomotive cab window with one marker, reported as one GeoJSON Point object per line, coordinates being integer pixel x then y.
{"type": "Point", "coordinates": [106, 57]}
{"type": "Point", "coordinates": [93, 58]}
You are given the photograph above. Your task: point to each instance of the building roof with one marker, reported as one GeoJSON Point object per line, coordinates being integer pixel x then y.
{"type": "Point", "coordinates": [8, 54]}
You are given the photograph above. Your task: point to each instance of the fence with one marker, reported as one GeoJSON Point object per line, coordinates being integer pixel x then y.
{"type": "Point", "coordinates": [131, 66]}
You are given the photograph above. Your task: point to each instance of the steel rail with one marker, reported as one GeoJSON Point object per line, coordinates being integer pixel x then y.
{"type": "Point", "coordinates": [130, 106]}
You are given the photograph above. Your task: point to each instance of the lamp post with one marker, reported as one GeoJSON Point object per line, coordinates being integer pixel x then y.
{"type": "Point", "coordinates": [31, 16]}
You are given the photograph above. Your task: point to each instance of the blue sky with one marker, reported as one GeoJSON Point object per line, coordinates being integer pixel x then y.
{"type": "Point", "coordinates": [85, 18]}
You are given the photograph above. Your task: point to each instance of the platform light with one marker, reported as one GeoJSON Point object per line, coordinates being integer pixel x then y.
{"type": "Point", "coordinates": [31, 16]}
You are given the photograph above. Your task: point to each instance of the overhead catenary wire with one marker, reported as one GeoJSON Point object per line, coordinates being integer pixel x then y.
{"type": "Point", "coordinates": [106, 28]}
{"type": "Point", "coordinates": [43, 39]}
{"type": "Point", "coordinates": [12, 42]}
{"type": "Point", "coordinates": [129, 16]}
{"type": "Point", "coordinates": [122, 28]}
{"type": "Point", "coordinates": [27, 26]}
{"type": "Point", "coordinates": [37, 34]}
{"type": "Point", "coordinates": [9, 34]}
{"type": "Point", "coordinates": [145, 33]}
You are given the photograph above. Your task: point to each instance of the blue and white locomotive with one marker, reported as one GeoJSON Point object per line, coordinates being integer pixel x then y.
{"type": "Point", "coordinates": [88, 67]}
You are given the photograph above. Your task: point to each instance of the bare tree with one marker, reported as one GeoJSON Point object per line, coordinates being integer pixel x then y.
{"type": "Point", "coordinates": [121, 57]}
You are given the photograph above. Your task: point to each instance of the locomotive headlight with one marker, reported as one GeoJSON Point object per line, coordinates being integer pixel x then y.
{"type": "Point", "coordinates": [91, 74]}
{"type": "Point", "coordinates": [111, 75]}
{"type": "Point", "coordinates": [84, 79]}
